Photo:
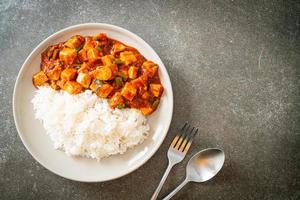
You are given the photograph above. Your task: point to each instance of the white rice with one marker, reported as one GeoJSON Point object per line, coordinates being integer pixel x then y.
{"type": "Point", "coordinates": [85, 125]}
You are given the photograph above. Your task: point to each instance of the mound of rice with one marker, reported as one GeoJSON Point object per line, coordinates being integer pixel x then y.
{"type": "Point", "coordinates": [85, 125]}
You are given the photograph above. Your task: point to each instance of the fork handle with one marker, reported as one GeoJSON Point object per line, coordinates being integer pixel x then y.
{"type": "Point", "coordinates": [162, 181]}
{"type": "Point", "coordinates": [176, 190]}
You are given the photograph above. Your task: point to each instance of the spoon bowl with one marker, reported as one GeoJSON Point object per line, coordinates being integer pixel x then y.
{"type": "Point", "coordinates": [203, 166]}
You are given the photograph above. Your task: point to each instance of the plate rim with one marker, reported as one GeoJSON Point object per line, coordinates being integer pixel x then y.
{"type": "Point", "coordinates": [70, 28]}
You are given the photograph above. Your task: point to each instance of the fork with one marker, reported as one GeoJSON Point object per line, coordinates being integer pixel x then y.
{"type": "Point", "coordinates": [177, 151]}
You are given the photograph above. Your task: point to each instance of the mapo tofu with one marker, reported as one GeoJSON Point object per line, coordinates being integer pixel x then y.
{"type": "Point", "coordinates": [106, 66]}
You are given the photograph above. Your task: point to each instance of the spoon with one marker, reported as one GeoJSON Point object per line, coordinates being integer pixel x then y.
{"type": "Point", "coordinates": [203, 166]}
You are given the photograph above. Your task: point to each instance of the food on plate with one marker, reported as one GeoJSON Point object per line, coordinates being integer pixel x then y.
{"type": "Point", "coordinates": [94, 95]}
{"type": "Point", "coordinates": [85, 125]}
{"type": "Point", "coordinates": [105, 66]}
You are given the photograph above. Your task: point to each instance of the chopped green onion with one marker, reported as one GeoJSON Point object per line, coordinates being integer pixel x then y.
{"type": "Point", "coordinates": [151, 100]}
{"type": "Point", "coordinates": [121, 105]}
{"type": "Point", "coordinates": [99, 48]}
{"type": "Point", "coordinates": [123, 75]}
{"type": "Point", "coordinates": [155, 103]}
{"type": "Point", "coordinates": [80, 47]}
{"type": "Point", "coordinates": [119, 82]}
{"type": "Point", "coordinates": [98, 82]}
{"type": "Point", "coordinates": [127, 104]}
{"type": "Point", "coordinates": [97, 89]}
{"type": "Point", "coordinates": [118, 61]}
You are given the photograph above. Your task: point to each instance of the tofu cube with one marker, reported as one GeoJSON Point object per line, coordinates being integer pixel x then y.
{"type": "Point", "coordinates": [148, 64]}
{"type": "Point", "coordinates": [74, 42]}
{"type": "Point", "coordinates": [140, 81]}
{"type": "Point", "coordinates": [133, 72]}
{"type": "Point", "coordinates": [127, 57]}
{"type": "Point", "coordinates": [54, 85]}
{"type": "Point", "coordinates": [54, 73]}
{"type": "Point", "coordinates": [149, 68]}
{"type": "Point", "coordinates": [67, 55]}
{"type": "Point", "coordinates": [84, 68]}
{"type": "Point", "coordinates": [82, 54]}
{"type": "Point", "coordinates": [104, 90]}
{"type": "Point", "coordinates": [103, 73]}
{"type": "Point", "coordinates": [129, 91]}
{"type": "Point", "coordinates": [100, 37]}
{"type": "Point", "coordinates": [118, 47]}
{"type": "Point", "coordinates": [116, 99]}
{"type": "Point", "coordinates": [72, 87]}
{"type": "Point", "coordinates": [146, 110]}
{"type": "Point", "coordinates": [93, 54]}
{"type": "Point", "coordinates": [84, 79]}
{"type": "Point", "coordinates": [156, 89]}
{"type": "Point", "coordinates": [39, 79]}
{"type": "Point", "coordinates": [68, 74]}
{"type": "Point", "coordinates": [107, 60]}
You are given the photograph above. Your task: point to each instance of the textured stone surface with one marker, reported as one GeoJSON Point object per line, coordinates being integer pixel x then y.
{"type": "Point", "coordinates": [235, 72]}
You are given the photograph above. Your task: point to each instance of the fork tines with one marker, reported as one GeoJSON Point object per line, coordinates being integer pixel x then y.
{"type": "Point", "coordinates": [183, 140]}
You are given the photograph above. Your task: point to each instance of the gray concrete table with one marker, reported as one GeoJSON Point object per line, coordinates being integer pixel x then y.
{"type": "Point", "coordinates": [234, 67]}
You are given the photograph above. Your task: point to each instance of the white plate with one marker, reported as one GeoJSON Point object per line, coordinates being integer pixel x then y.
{"type": "Point", "coordinates": [38, 143]}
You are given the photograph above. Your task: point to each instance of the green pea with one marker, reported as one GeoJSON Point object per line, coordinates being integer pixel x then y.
{"type": "Point", "coordinates": [121, 106]}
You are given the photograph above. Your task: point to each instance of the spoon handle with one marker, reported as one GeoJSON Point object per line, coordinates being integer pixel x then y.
{"type": "Point", "coordinates": [176, 190]}
{"type": "Point", "coordinates": [162, 181]}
